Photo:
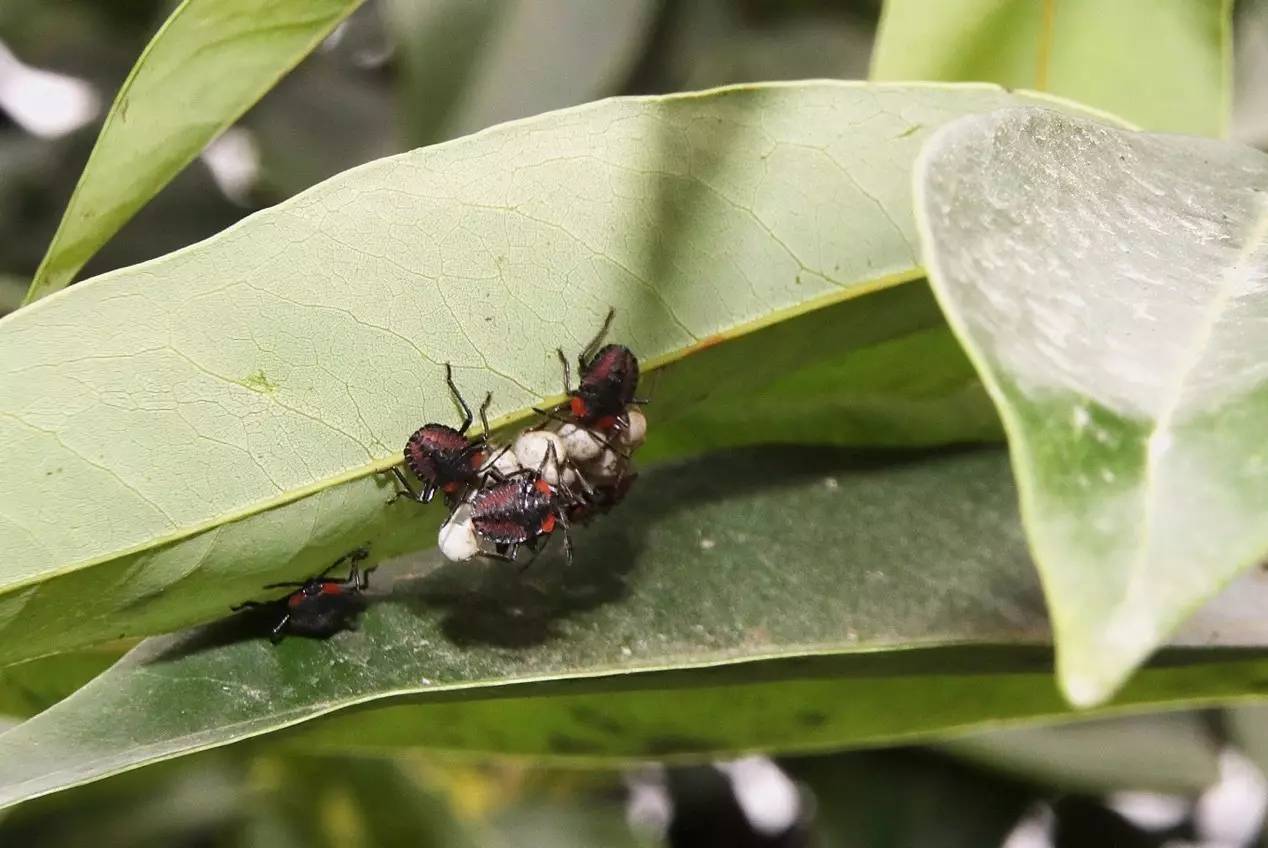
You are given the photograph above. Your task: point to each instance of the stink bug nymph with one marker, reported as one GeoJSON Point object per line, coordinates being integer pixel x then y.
{"type": "Point", "coordinates": [443, 458]}
{"type": "Point", "coordinates": [320, 606]}
{"type": "Point", "coordinates": [607, 382]}
{"type": "Point", "coordinates": [519, 511]}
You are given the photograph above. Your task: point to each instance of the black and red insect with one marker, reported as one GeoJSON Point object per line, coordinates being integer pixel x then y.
{"type": "Point", "coordinates": [607, 382]}
{"type": "Point", "coordinates": [320, 606]}
{"type": "Point", "coordinates": [522, 509]}
{"type": "Point", "coordinates": [443, 458]}
{"type": "Point", "coordinates": [600, 498]}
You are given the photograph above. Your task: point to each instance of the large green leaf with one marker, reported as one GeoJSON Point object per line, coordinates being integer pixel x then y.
{"type": "Point", "coordinates": [829, 565]}
{"type": "Point", "coordinates": [1110, 287]}
{"type": "Point", "coordinates": [210, 61]}
{"type": "Point", "coordinates": [176, 433]}
{"type": "Point", "coordinates": [1164, 64]}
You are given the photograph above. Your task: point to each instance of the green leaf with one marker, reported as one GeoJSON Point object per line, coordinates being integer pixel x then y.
{"type": "Point", "coordinates": [210, 61]}
{"type": "Point", "coordinates": [1163, 64]}
{"type": "Point", "coordinates": [1162, 753]}
{"type": "Point", "coordinates": [468, 65]}
{"type": "Point", "coordinates": [1109, 287]}
{"type": "Point", "coordinates": [885, 371]}
{"type": "Point", "coordinates": [28, 688]}
{"type": "Point", "coordinates": [213, 420]}
{"type": "Point", "coordinates": [807, 558]}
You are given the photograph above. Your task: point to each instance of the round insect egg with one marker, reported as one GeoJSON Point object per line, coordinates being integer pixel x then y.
{"type": "Point", "coordinates": [457, 539]}
{"type": "Point", "coordinates": [635, 432]}
{"type": "Point", "coordinates": [533, 447]}
{"type": "Point", "coordinates": [605, 466]}
{"type": "Point", "coordinates": [504, 461]}
{"type": "Point", "coordinates": [580, 443]}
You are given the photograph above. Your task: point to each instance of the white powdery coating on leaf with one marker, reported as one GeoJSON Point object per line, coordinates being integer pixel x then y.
{"type": "Point", "coordinates": [1135, 279]}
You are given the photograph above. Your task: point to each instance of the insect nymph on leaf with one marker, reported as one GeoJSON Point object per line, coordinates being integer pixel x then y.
{"type": "Point", "coordinates": [442, 457]}
{"type": "Point", "coordinates": [320, 606]}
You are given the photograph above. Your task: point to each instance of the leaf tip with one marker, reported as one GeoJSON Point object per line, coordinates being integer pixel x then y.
{"type": "Point", "coordinates": [1083, 691]}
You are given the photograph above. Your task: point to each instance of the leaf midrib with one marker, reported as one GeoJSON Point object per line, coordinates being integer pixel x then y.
{"type": "Point", "coordinates": [1161, 435]}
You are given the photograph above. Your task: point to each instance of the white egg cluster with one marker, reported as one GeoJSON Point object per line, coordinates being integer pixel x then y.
{"type": "Point", "coordinates": [577, 460]}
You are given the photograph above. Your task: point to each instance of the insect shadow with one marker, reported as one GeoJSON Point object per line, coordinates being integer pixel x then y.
{"type": "Point", "coordinates": [489, 603]}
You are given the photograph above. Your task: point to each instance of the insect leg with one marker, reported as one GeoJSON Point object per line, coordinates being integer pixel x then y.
{"type": "Point", "coordinates": [422, 497]}
{"type": "Point", "coordinates": [279, 632]}
{"type": "Point", "coordinates": [589, 350]}
{"type": "Point", "coordinates": [563, 360]}
{"type": "Point", "coordinates": [554, 416]}
{"type": "Point", "coordinates": [563, 523]}
{"type": "Point", "coordinates": [457, 396]}
{"type": "Point", "coordinates": [484, 417]}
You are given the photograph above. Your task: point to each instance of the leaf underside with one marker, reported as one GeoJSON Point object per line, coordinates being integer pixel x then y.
{"type": "Point", "coordinates": [1110, 287]}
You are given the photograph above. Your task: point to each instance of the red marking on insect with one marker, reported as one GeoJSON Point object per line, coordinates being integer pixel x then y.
{"type": "Point", "coordinates": [607, 422]}
{"type": "Point", "coordinates": [548, 523]}
{"type": "Point", "coordinates": [542, 486]}
{"type": "Point", "coordinates": [579, 407]}
{"type": "Point", "coordinates": [443, 458]}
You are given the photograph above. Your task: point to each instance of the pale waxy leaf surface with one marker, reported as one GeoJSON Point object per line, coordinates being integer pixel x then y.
{"type": "Point", "coordinates": [1110, 287]}
{"type": "Point", "coordinates": [1162, 64]}
{"type": "Point", "coordinates": [808, 558]}
{"type": "Point", "coordinates": [211, 61]}
{"type": "Point", "coordinates": [176, 433]}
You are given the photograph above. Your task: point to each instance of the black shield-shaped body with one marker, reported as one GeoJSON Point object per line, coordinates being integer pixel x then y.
{"type": "Point", "coordinates": [607, 386]}
{"type": "Point", "coordinates": [442, 457]}
{"type": "Point", "coordinates": [514, 512]}
{"type": "Point", "coordinates": [324, 612]}
{"type": "Point", "coordinates": [600, 499]}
